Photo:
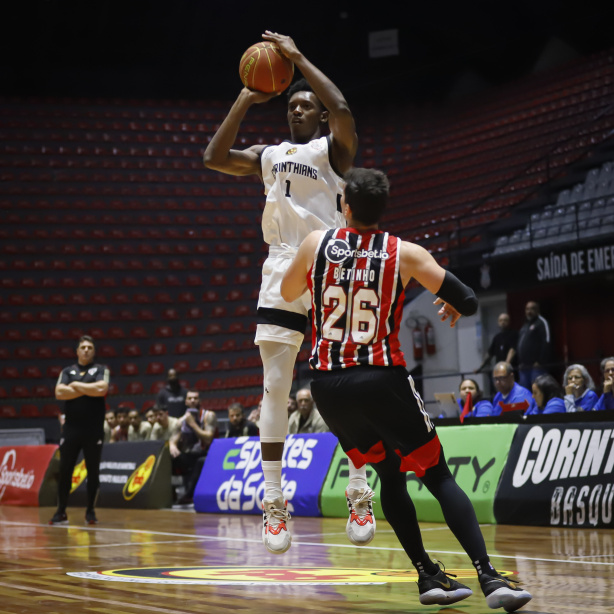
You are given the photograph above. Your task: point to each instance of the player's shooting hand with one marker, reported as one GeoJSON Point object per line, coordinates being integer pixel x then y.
{"type": "Point", "coordinates": [285, 43]}
{"type": "Point", "coordinates": [256, 97]}
{"type": "Point", "coordinates": [447, 311]}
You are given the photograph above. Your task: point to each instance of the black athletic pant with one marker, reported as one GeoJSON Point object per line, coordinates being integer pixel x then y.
{"type": "Point", "coordinates": [70, 447]}
{"type": "Point", "coordinates": [400, 512]}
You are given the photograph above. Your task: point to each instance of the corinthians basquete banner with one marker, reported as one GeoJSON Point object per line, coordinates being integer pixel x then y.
{"type": "Point", "coordinates": [559, 475]}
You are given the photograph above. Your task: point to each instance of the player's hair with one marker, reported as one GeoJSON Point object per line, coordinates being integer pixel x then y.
{"type": "Point", "coordinates": [478, 394]}
{"type": "Point", "coordinates": [302, 85]}
{"type": "Point", "coordinates": [122, 410]}
{"type": "Point", "coordinates": [193, 391]}
{"type": "Point", "coordinates": [160, 408]}
{"type": "Point", "coordinates": [549, 387]}
{"type": "Point", "coordinates": [88, 338]}
{"type": "Point", "coordinates": [586, 376]}
{"type": "Point", "coordinates": [366, 192]}
{"type": "Point", "coordinates": [236, 405]}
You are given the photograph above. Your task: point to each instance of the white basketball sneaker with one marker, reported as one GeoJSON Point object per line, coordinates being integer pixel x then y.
{"type": "Point", "coordinates": [275, 534]}
{"type": "Point", "coordinates": [360, 527]}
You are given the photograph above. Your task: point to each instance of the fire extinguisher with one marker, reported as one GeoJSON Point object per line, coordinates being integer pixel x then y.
{"type": "Point", "coordinates": [418, 342]}
{"type": "Point", "coordinates": [429, 334]}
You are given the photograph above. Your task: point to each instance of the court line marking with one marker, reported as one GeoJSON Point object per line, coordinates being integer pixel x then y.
{"type": "Point", "coordinates": [297, 543]}
{"type": "Point", "coordinates": [106, 602]}
{"type": "Point", "coordinates": [31, 569]}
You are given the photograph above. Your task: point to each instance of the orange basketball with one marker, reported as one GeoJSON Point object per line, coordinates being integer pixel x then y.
{"type": "Point", "coordinates": [264, 68]}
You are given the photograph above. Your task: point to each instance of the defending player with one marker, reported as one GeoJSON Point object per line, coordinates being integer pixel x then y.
{"type": "Point", "coordinates": [357, 276]}
{"type": "Point", "coordinates": [303, 184]}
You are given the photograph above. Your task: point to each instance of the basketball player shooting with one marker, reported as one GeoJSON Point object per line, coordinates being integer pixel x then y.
{"type": "Point", "coordinates": [303, 185]}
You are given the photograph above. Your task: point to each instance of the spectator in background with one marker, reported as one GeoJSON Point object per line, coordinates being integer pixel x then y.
{"type": "Point", "coordinates": [191, 443]}
{"type": "Point", "coordinates": [508, 391]}
{"type": "Point", "coordinates": [238, 425]}
{"type": "Point", "coordinates": [110, 422]}
{"type": "Point", "coordinates": [548, 396]}
{"type": "Point", "coordinates": [306, 419]}
{"type": "Point", "coordinates": [533, 345]}
{"type": "Point", "coordinates": [150, 416]}
{"type": "Point", "coordinates": [580, 392]}
{"type": "Point", "coordinates": [120, 432]}
{"type": "Point", "coordinates": [166, 426]}
{"type": "Point", "coordinates": [606, 400]}
{"type": "Point", "coordinates": [139, 429]}
{"type": "Point", "coordinates": [254, 415]}
{"type": "Point", "coordinates": [503, 345]}
{"type": "Point", "coordinates": [481, 408]}
{"type": "Point", "coordinates": [292, 405]}
{"type": "Point", "coordinates": [172, 396]}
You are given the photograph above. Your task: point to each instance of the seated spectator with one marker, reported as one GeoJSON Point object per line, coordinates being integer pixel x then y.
{"type": "Point", "coordinates": [508, 391]}
{"type": "Point", "coordinates": [606, 400]}
{"type": "Point", "coordinates": [110, 422]}
{"type": "Point", "coordinates": [120, 432]}
{"type": "Point", "coordinates": [580, 392]}
{"type": "Point", "coordinates": [254, 415]}
{"type": "Point", "coordinates": [292, 406]}
{"type": "Point", "coordinates": [306, 419]}
{"type": "Point", "coordinates": [481, 407]}
{"type": "Point", "coordinates": [150, 416]}
{"type": "Point", "coordinates": [139, 429]}
{"type": "Point", "coordinates": [548, 396]}
{"type": "Point", "coordinates": [189, 446]}
{"type": "Point", "coordinates": [238, 425]}
{"type": "Point", "coordinates": [166, 426]}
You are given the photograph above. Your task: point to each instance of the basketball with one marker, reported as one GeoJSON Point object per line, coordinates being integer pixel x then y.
{"type": "Point", "coordinates": [264, 68]}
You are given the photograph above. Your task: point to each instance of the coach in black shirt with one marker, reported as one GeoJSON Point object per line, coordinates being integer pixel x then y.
{"type": "Point", "coordinates": [503, 345]}
{"type": "Point", "coordinates": [83, 387]}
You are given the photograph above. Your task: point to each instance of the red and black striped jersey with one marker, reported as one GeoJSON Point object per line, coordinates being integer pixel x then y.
{"type": "Point", "coordinates": [357, 300]}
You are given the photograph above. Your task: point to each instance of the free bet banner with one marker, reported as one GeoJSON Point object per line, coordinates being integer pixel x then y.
{"type": "Point", "coordinates": [232, 480]}
{"type": "Point", "coordinates": [559, 475]}
{"type": "Point", "coordinates": [475, 454]}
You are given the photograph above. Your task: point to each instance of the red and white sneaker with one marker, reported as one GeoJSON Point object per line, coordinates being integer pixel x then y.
{"type": "Point", "coordinates": [360, 527]}
{"type": "Point", "coordinates": [275, 534]}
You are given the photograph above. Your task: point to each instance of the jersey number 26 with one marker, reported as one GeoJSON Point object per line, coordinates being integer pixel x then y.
{"type": "Point", "coordinates": [361, 313]}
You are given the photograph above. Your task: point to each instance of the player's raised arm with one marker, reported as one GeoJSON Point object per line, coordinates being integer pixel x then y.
{"type": "Point", "coordinates": [340, 119]}
{"type": "Point", "coordinates": [219, 155]}
{"type": "Point", "coordinates": [456, 299]}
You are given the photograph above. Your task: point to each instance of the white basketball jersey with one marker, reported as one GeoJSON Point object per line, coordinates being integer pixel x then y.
{"type": "Point", "coordinates": [302, 190]}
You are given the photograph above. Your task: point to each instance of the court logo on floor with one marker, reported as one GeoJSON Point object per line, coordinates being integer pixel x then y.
{"type": "Point", "coordinates": [240, 575]}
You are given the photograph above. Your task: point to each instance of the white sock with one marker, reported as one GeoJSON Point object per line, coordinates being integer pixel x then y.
{"type": "Point", "coordinates": [358, 477]}
{"type": "Point", "coordinates": [272, 479]}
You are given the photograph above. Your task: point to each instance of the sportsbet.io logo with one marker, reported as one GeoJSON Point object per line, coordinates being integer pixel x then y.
{"type": "Point", "coordinates": [338, 251]}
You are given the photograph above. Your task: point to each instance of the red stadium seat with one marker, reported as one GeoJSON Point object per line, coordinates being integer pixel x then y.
{"type": "Point", "coordinates": [10, 373]}
{"type": "Point", "coordinates": [156, 387]}
{"type": "Point", "coordinates": [213, 328]}
{"type": "Point", "coordinates": [157, 349]}
{"type": "Point", "coordinates": [132, 349]}
{"type": "Point", "coordinates": [229, 345]}
{"type": "Point", "coordinates": [155, 368]}
{"type": "Point", "coordinates": [20, 392]}
{"type": "Point", "coordinates": [139, 332]}
{"type": "Point", "coordinates": [203, 365]}
{"type": "Point", "coordinates": [201, 384]}
{"type": "Point", "coordinates": [116, 332]}
{"type": "Point", "coordinates": [210, 296]}
{"type": "Point", "coordinates": [189, 330]}
{"type": "Point", "coordinates": [129, 368]}
{"type": "Point", "coordinates": [147, 405]}
{"type": "Point", "coordinates": [32, 372]}
{"type": "Point", "coordinates": [7, 411]}
{"type": "Point", "coordinates": [182, 366]}
{"type": "Point", "coordinates": [43, 351]}
{"type": "Point", "coordinates": [106, 351]}
{"type": "Point", "coordinates": [164, 331]}
{"type": "Point", "coordinates": [219, 311]}
{"type": "Point", "coordinates": [51, 410]}
{"type": "Point", "coordinates": [127, 405]}
{"type": "Point", "coordinates": [42, 390]}
{"type": "Point", "coordinates": [134, 388]}
{"type": "Point", "coordinates": [53, 371]}
{"type": "Point", "coordinates": [170, 314]}
{"type": "Point", "coordinates": [183, 347]}
{"type": "Point", "coordinates": [23, 353]}
{"type": "Point", "coordinates": [29, 411]}
{"type": "Point", "coordinates": [208, 345]}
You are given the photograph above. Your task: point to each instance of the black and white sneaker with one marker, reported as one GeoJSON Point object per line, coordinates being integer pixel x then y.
{"type": "Point", "coordinates": [441, 589]}
{"type": "Point", "coordinates": [59, 518]}
{"type": "Point", "coordinates": [503, 593]}
{"type": "Point", "coordinates": [90, 517]}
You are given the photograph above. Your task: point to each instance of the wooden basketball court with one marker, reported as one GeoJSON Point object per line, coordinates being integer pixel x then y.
{"type": "Point", "coordinates": [568, 571]}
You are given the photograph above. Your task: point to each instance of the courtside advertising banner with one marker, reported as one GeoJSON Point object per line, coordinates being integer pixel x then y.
{"type": "Point", "coordinates": [232, 482]}
{"type": "Point", "coordinates": [132, 474]}
{"type": "Point", "coordinates": [23, 470]}
{"type": "Point", "coordinates": [475, 454]}
{"type": "Point", "coordinates": [559, 475]}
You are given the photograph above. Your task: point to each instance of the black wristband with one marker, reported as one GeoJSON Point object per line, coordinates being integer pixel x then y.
{"type": "Point", "coordinates": [457, 294]}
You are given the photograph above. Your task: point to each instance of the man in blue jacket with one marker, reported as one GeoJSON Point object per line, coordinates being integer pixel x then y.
{"type": "Point", "coordinates": [508, 391]}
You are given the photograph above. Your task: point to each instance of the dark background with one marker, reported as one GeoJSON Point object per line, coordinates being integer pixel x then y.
{"type": "Point", "coordinates": [191, 48]}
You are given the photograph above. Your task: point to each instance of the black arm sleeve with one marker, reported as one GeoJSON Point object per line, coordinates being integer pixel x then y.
{"type": "Point", "coordinates": [457, 294]}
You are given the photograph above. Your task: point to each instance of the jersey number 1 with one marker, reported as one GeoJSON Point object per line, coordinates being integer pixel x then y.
{"type": "Point", "coordinates": [361, 314]}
